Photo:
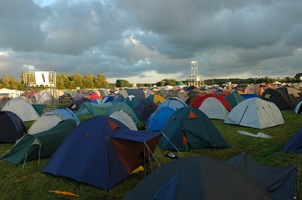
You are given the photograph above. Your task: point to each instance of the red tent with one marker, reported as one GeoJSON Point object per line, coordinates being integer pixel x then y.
{"type": "Point", "coordinates": [94, 96]}
{"type": "Point", "coordinates": [198, 101]}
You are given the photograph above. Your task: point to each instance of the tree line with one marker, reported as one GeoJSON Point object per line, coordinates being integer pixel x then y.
{"type": "Point", "coordinates": [222, 81]}
{"type": "Point", "coordinates": [64, 81]}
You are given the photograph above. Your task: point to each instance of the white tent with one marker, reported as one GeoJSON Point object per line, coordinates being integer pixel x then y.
{"type": "Point", "coordinates": [43, 97]}
{"type": "Point", "coordinates": [255, 113]}
{"type": "Point", "coordinates": [45, 122]}
{"type": "Point", "coordinates": [4, 92]}
{"type": "Point", "coordinates": [125, 119]}
{"type": "Point", "coordinates": [213, 108]}
{"type": "Point", "coordinates": [22, 108]}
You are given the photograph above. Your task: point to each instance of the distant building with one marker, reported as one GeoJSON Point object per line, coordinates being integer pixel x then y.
{"type": "Point", "coordinates": [194, 78]}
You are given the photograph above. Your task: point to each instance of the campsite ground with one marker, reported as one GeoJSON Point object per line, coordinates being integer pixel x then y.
{"type": "Point", "coordinates": [30, 183]}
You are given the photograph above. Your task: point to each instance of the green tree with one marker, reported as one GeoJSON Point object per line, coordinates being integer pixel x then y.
{"type": "Point", "coordinates": [60, 81]}
{"type": "Point", "coordinates": [171, 82]}
{"type": "Point", "coordinates": [165, 82]}
{"type": "Point", "coordinates": [9, 82]}
{"type": "Point", "coordinates": [100, 81]}
{"type": "Point", "coordinates": [122, 83]}
{"type": "Point", "coordinates": [289, 80]}
{"type": "Point", "coordinates": [66, 82]}
{"type": "Point", "coordinates": [144, 85]}
{"type": "Point", "coordinates": [297, 76]}
{"type": "Point", "coordinates": [88, 81]}
{"type": "Point", "coordinates": [161, 83]}
{"type": "Point", "coordinates": [76, 81]}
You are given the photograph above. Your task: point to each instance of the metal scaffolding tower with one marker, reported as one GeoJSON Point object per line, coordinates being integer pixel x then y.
{"type": "Point", "coordinates": [194, 78]}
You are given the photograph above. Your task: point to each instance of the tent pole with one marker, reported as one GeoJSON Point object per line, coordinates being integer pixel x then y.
{"type": "Point", "coordinates": [39, 155]}
{"type": "Point", "coordinates": [145, 165]}
{"type": "Point", "coordinates": [24, 161]}
{"type": "Point", "coordinates": [242, 115]}
{"type": "Point", "coordinates": [149, 158]}
{"type": "Point", "coordinates": [172, 144]}
{"type": "Point", "coordinates": [149, 151]}
{"type": "Point", "coordinates": [297, 183]}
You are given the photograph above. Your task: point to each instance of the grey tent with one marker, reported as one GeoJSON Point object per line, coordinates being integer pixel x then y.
{"type": "Point", "coordinates": [280, 182]}
{"type": "Point", "coordinates": [199, 178]}
{"type": "Point", "coordinates": [138, 93]}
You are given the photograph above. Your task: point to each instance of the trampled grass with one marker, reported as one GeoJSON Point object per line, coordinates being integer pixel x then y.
{"type": "Point", "coordinates": [29, 182]}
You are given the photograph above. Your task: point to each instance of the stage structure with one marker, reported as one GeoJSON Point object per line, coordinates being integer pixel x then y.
{"type": "Point", "coordinates": [194, 78]}
{"type": "Point", "coordinates": [40, 79]}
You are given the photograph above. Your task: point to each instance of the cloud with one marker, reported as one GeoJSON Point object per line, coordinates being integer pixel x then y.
{"type": "Point", "coordinates": [146, 41]}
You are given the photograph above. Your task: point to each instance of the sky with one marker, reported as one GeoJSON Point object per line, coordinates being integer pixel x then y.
{"type": "Point", "coordinates": [145, 41]}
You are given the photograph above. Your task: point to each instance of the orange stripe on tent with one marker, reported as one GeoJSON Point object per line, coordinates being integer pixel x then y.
{"type": "Point", "coordinates": [192, 115]}
{"type": "Point", "coordinates": [113, 125]}
{"type": "Point", "coordinates": [184, 140]}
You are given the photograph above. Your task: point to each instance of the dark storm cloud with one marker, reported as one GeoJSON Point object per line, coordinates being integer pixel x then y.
{"type": "Point", "coordinates": [127, 38]}
{"type": "Point", "coordinates": [20, 25]}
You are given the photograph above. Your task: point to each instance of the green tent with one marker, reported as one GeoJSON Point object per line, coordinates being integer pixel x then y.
{"type": "Point", "coordinates": [39, 145]}
{"type": "Point", "coordinates": [181, 84]}
{"type": "Point", "coordinates": [39, 108]}
{"type": "Point", "coordinates": [233, 99]}
{"type": "Point", "coordinates": [190, 127]}
{"type": "Point", "coordinates": [91, 109]}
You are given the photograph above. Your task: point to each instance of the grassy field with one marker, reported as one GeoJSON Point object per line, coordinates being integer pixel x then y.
{"type": "Point", "coordinates": [30, 183]}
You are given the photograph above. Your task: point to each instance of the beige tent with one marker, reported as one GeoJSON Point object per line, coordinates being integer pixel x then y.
{"type": "Point", "coordinates": [213, 108]}
{"type": "Point", "coordinates": [47, 121]}
{"type": "Point", "coordinates": [124, 118]}
{"type": "Point", "coordinates": [22, 108]}
{"type": "Point", "coordinates": [251, 89]}
{"type": "Point", "coordinates": [255, 113]}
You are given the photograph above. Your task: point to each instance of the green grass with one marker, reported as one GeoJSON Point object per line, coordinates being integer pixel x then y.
{"type": "Point", "coordinates": [30, 183]}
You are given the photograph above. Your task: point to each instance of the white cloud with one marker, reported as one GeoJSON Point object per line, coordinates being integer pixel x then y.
{"type": "Point", "coordinates": [5, 54]}
{"type": "Point", "coordinates": [29, 67]}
